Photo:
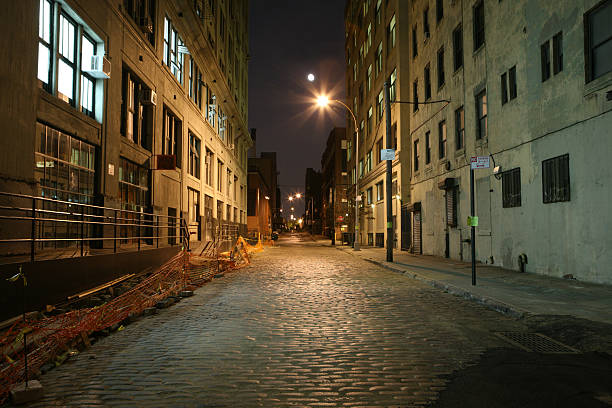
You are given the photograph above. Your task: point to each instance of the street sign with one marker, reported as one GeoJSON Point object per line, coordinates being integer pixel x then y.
{"type": "Point", "coordinates": [387, 154]}
{"type": "Point", "coordinates": [480, 162]}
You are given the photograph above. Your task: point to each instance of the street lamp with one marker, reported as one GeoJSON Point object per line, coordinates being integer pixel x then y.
{"type": "Point", "coordinates": [324, 101]}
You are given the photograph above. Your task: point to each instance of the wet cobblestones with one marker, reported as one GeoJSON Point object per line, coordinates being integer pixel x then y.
{"type": "Point", "coordinates": [304, 325]}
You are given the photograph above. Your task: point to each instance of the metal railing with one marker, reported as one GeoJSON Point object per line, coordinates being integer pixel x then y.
{"type": "Point", "coordinates": [42, 223]}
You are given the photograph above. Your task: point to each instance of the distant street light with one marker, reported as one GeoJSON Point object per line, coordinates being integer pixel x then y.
{"type": "Point", "coordinates": [298, 195]}
{"type": "Point", "coordinates": [323, 101]}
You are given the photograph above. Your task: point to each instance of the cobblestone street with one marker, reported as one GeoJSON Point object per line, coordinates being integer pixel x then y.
{"type": "Point", "coordinates": [304, 325]}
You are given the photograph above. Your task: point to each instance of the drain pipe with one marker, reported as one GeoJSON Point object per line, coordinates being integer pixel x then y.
{"type": "Point", "coordinates": [522, 261]}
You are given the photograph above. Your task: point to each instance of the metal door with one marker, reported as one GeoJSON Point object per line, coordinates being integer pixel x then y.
{"type": "Point", "coordinates": [405, 228]}
{"type": "Point", "coordinates": [416, 233]}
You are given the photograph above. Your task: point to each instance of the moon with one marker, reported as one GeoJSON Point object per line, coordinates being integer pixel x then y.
{"type": "Point", "coordinates": [311, 77]}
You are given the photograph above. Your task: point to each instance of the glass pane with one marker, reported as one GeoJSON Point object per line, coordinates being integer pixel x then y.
{"type": "Point", "coordinates": [41, 138]}
{"type": "Point", "coordinates": [65, 79]}
{"type": "Point", "coordinates": [84, 156]}
{"type": "Point", "coordinates": [87, 88]}
{"type": "Point", "coordinates": [64, 147]}
{"type": "Point", "coordinates": [73, 179]}
{"type": "Point", "coordinates": [75, 151]}
{"type": "Point", "coordinates": [87, 51]}
{"type": "Point", "coordinates": [52, 142]}
{"type": "Point", "coordinates": [601, 28]}
{"type": "Point", "coordinates": [66, 40]}
{"type": "Point", "coordinates": [43, 63]}
{"type": "Point", "coordinates": [602, 59]}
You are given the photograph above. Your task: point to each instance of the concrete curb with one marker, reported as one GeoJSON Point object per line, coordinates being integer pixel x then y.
{"type": "Point", "coordinates": [491, 303]}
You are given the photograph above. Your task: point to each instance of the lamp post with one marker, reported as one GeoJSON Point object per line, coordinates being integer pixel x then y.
{"type": "Point", "coordinates": [324, 101]}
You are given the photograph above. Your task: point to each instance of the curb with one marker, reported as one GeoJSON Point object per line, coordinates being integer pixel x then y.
{"type": "Point", "coordinates": [491, 303]}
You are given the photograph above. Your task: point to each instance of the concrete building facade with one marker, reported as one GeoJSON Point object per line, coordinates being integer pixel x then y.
{"type": "Point", "coordinates": [131, 104]}
{"type": "Point", "coordinates": [376, 33]}
{"type": "Point", "coordinates": [263, 185]}
{"type": "Point", "coordinates": [527, 84]}
{"type": "Point", "coordinates": [335, 186]}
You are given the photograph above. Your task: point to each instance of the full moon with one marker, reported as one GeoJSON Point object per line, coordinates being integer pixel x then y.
{"type": "Point", "coordinates": [311, 77]}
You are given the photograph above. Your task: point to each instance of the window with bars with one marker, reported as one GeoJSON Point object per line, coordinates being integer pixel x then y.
{"type": "Point", "coordinates": [556, 179]}
{"type": "Point", "coordinates": [511, 188]}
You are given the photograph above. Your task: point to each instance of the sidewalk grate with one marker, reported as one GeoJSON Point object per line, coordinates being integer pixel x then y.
{"type": "Point", "coordinates": [536, 342]}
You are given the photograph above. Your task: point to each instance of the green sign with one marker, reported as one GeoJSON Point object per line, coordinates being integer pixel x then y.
{"type": "Point", "coordinates": [472, 221]}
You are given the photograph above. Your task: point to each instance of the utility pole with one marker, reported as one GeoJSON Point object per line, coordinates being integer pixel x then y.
{"type": "Point", "coordinates": [388, 186]}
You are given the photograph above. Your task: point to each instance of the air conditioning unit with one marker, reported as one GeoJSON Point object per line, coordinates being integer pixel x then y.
{"type": "Point", "coordinates": [146, 25]}
{"type": "Point", "coordinates": [149, 97]}
{"type": "Point", "coordinates": [100, 67]}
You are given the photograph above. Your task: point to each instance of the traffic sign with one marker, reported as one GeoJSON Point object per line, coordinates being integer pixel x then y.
{"type": "Point", "coordinates": [479, 162]}
{"type": "Point", "coordinates": [387, 154]}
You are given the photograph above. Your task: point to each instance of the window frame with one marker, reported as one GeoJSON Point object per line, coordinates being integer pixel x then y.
{"type": "Point", "coordinates": [441, 73]}
{"type": "Point", "coordinates": [478, 14]}
{"type": "Point", "coordinates": [459, 128]}
{"type": "Point", "coordinates": [511, 188]}
{"type": "Point", "coordinates": [556, 182]}
{"type": "Point", "coordinates": [442, 139]}
{"type": "Point", "coordinates": [590, 63]}
{"type": "Point", "coordinates": [458, 47]}
{"type": "Point", "coordinates": [481, 115]}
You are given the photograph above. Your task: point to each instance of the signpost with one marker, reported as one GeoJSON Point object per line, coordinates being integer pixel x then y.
{"type": "Point", "coordinates": [478, 162]}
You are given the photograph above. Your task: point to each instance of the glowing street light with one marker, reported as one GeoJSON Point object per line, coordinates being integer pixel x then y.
{"type": "Point", "coordinates": [323, 101]}
{"type": "Point", "coordinates": [311, 77]}
{"type": "Point", "coordinates": [298, 195]}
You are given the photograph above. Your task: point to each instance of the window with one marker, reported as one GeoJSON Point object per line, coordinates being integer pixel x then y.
{"type": "Point", "coordinates": [45, 46]}
{"type": "Point", "coordinates": [64, 166]}
{"type": "Point", "coordinates": [134, 186]}
{"type": "Point", "coordinates": [504, 88]}
{"type": "Point", "coordinates": [545, 60]}
{"type": "Point", "coordinates": [368, 162]}
{"type": "Point", "coordinates": [208, 166]}
{"type": "Point", "coordinates": [212, 108]}
{"type": "Point", "coordinates": [173, 50]}
{"type": "Point", "coordinates": [427, 148]}
{"type": "Point", "coordinates": [441, 78]}
{"type": "Point", "coordinates": [369, 79]}
{"type": "Point", "coordinates": [598, 31]}
{"type": "Point", "coordinates": [557, 53]}
{"type": "Point", "coordinates": [439, 10]}
{"type": "Point", "coordinates": [414, 42]}
{"type": "Point", "coordinates": [426, 23]}
{"type": "Point", "coordinates": [88, 88]}
{"type": "Point", "coordinates": [361, 168]}
{"type": "Point", "coordinates": [481, 115]}
{"type": "Point", "coordinates": [394, 135]}
{"type": "Point", "coordinates": [427, 82]}
{"type": "Point", "coordinates": [195, 83]}
{"type": "Point", "coordinates": [392, 79]}
{"type": "Point", "coordinates": [219, 175]}
{"type": "Point", "coordinates": [377, 12]}
{"type": "Point", "coordinates": [511, 188]}
{"type": "Point", "coordinates": [222, 121]}
{"type": "Point", "coordinates": [451, 207]}
{"type": "Point", "coordinates": [479, 25]}
{"type": "Point", "coordinates": [194, 155]}
{"type": "Point", "coordinates": [379, 106]}
{"type": "Point", "coordinates": [391, 35]}
{"type": "Point", "coordinates": [379, 59]}
{"type": "Point", "coordinates": [380, 191]}
{"type": "Point", "coordinates": [512, 80]}
{"type": "Point", "coordinates": [369, 38]}
{"type": "Point", "coordinates": [555, 179]}
{"type": "Point", "coordinates": [67, 61]}
{"type": "Point", "coordinates": [369, 195]}
{"type": "Point", "coordinates": [459, 129]}
{"type": "Point", "coordinates": [415, 152]}
{"type": "Point", "coordinates": [361, 98]}
{"type": "Point", "coordinates": [442, 139]}
{"type": "Point", "coordinates": [228, 180]}
{"type": "Point", "coordinates": [415, 96]}
{"type": "Point", "coordinates": [172, 136]}
{"type": "Point", "coordinates": [458, 47]}
{"type": "Point", "coordinates": [136, 111]}
{"type": "Point", "coordinates": [379, 146]}
{"type": "Point", "coordinates": [143, 14]}
{"type": "Point", "coordinates": [370, 121]}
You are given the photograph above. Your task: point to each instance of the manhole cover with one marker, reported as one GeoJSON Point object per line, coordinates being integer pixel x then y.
{"type": "Point", "coordinates": [537, 343]}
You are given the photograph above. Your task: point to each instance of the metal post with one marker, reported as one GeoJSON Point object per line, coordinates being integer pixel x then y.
{"type": "Point", "coordinates": [139, 223]}
{"type": "Point", "coordinates": [82, 227]}
{"type": "Point", "coordinates": [115, 233]}
{"type": "Point", "coordinates": [473, 228]}
{"type": "Point", "coordinates": [33, 231]}
{"type": "Point", "coordinates": [333, 237]}
{"type": "Point", "coordinates": [157, 229]}
{"type": "Point", "coordinates": [388, 182]}
{"type": "Point", "coordinates": [357, 197]}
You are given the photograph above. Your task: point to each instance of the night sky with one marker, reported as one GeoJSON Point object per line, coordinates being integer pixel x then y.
{"type": "Point", "coordinates": [288, 40]}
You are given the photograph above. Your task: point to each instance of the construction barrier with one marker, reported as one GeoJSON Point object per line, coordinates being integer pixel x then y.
{"type": "Point", "coordinates": [50, 337]}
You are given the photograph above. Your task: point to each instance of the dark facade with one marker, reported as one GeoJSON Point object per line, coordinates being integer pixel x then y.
{"type": "Point", "coordinates": [266, 169]}
{"type": "Point", "coordinates": [313, 201]}
{"type": "Point", "coordinates": [334, 184]}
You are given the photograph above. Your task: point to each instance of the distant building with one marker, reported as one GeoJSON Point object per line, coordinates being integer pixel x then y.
{"type": "Point", "coordinates": [263, 179]}
{"type": "Point", "coordinates": [96, 92]}
{"type": "Point", "coordinates": [377, 34]}
{"type": "Point", "coordinates": [313, 201]}
{"type": "Point", "coordinates": [334, 186]}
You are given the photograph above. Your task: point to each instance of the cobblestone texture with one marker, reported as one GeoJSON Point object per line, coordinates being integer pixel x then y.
{"type": "Point", "coordinates": [304, 325]}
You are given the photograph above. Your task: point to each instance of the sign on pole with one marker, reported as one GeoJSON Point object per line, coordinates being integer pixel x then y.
{"type": "Point", "coordinates": [387, 154]}
{"type": "Point", "coordinates": [479, 162]}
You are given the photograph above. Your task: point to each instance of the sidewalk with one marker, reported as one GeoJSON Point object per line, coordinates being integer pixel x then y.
{"type": "Point", "coordinates": [509, 292]}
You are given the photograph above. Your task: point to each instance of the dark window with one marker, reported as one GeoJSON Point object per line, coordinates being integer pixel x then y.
{"type": "Point", "coordinates": [134, 186]}
{"type": "Point", "coordinates": [195, 83]}
{"type": "Point", "coordinates": [251, 203]}
{"type": "Point", "coordinates": [427, 83]}
{"type": "Point", "coordinates": [194, 155]}
{"type": "Point", "coordinates": [426, 23]}
{"type": "Point", "coordinates": [439, 10]}
{"type": "Point", "coordinates": [504, 88]}
{"type": "Point", "coordinates": [415, 96]}
{"type": "Point", "coordinates": [555, 179]}
{"type": "Point", "coordinates": [558, 53]}
{"type": "Point", "coordinates": [414, 42]}
{"type": "Point", "coordinates": [481, 115]}
{"type": "Point", "coordinates": [511, 188]}
{"type": "Point", "coordinates": [172, 132]}
{"type": "Point", "coordinates": [416, 155]}
{"type": "Point", "coordinates": [545, 60]}
{"type": "Point", "coordinates": [479, 25]}
{"type": "Point", "coordinates": [442, 139]}
{"type": "Point", "coordinates": [143, 14]}
{"type": "Point", "coordinates": [136, 110]}
{"type": "Point", "coordinates": [459, 128]}
{"type": "Point", "coordinates": [458, 47]}
{"type": "Point", "coordinates": [441, 78]}
{"type": "Point", "coordinates": [599, 34]}
{"type": "Point", "coordinates": [427, 148]}
{"type": "Point", "coordinates": [512, 82]}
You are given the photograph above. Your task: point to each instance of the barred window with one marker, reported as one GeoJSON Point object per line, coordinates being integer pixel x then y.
{"type": "Point", "coordinates": [555, 179]}
{"type": "Point", "coordinates": [511, 188]}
